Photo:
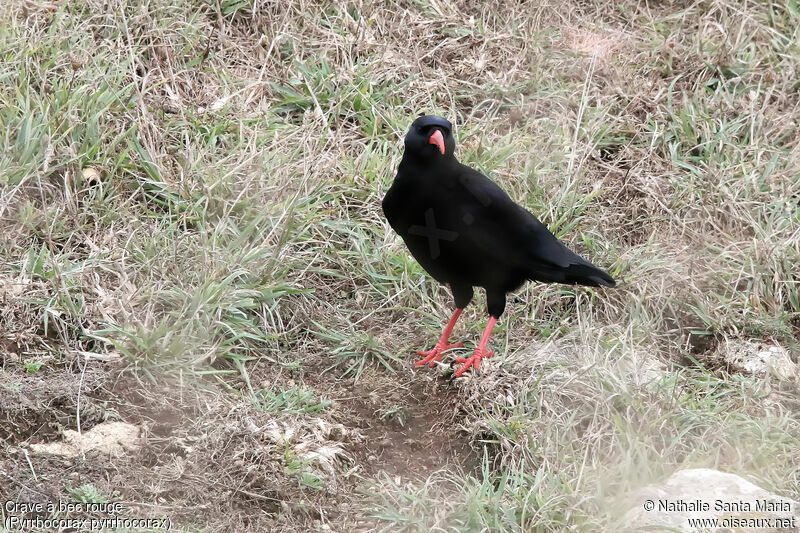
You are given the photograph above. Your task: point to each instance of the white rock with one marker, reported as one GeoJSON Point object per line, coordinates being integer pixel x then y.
{"type": "Point", "coordinates": [759, 358]}
{"type": "Point", "coordinates": [703, 493]}
{"type": "Point", "coordinates": [112, 438]}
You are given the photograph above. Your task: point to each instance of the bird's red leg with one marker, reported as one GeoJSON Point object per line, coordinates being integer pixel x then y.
{"type": "Point", "coordinates": [431, 356]}
{"type": "Point", "coordinates": [480, 352]}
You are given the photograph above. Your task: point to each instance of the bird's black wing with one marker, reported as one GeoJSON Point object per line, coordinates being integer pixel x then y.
{"type": "Point", "coordinates": [395, 204]}
{"type": "Point", "coordinates": [512, 236]}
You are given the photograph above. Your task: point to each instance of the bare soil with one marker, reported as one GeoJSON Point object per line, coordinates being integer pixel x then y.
{"type": "Point", "coordinates": [197, 441]}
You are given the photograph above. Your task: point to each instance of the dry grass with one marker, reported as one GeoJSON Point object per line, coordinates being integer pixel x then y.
{"type": "Point", "coordinates": [191, 197]}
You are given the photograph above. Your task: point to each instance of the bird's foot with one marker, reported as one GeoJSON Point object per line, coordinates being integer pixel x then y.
{"type": "Point", "coordinates": [473, 361]}
{"type": "Point", "coordinates": [431, 356]}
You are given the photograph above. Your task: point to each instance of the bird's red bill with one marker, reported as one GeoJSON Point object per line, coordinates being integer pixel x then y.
{"type": "Point", "coordinates": [438, 140]}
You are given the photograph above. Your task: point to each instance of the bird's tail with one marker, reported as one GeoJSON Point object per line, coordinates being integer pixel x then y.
{"type": "Point", "coordinates": [588, 274]}
{"type": "Point", "coordinates": [580, 272]}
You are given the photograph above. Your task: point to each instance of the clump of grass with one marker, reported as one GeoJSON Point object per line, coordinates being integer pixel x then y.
{"type": "Point", "coordinates": [294, 400]}
{"type": "Point", "coordinates": [86, 493]}
{"type": "Point", "coordinates": [354, 349]}
{"type": "Point", "coordinates": [32, 366]}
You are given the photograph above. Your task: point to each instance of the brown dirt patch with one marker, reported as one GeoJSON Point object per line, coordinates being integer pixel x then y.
{"type": "Point", "coordinates": [410, 422]}
{"type": "Point", "coordinates": [37, 407]}
{"type": "Point", "coordinates": [215, 460]}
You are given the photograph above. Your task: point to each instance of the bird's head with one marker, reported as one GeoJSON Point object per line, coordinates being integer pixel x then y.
{"type": "Point", "coordinates": [430, 136]}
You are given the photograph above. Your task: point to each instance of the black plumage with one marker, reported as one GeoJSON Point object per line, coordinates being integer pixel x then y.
{"type": "Point", "coordinates": [466, 232]}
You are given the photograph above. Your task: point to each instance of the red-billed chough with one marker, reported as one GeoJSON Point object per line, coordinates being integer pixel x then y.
{"type": "Point", "coordinates": [466, 232]}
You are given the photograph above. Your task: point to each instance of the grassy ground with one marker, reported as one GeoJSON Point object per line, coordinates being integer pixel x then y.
{"type": "Point", "coordinates": [192, 242]}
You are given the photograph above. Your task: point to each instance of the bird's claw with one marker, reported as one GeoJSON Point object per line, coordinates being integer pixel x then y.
{"type": "Point", "coordinates": [473, 361]}
{"type": "Point", "coordinates": [431, 356]}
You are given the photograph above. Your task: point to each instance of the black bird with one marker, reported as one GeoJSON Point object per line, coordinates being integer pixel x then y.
{"type": "Point", "coordinates": [466, 232]}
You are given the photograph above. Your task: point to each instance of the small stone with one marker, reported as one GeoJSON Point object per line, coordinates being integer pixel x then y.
{"type": "Point", "coordinates": [759, 359]}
